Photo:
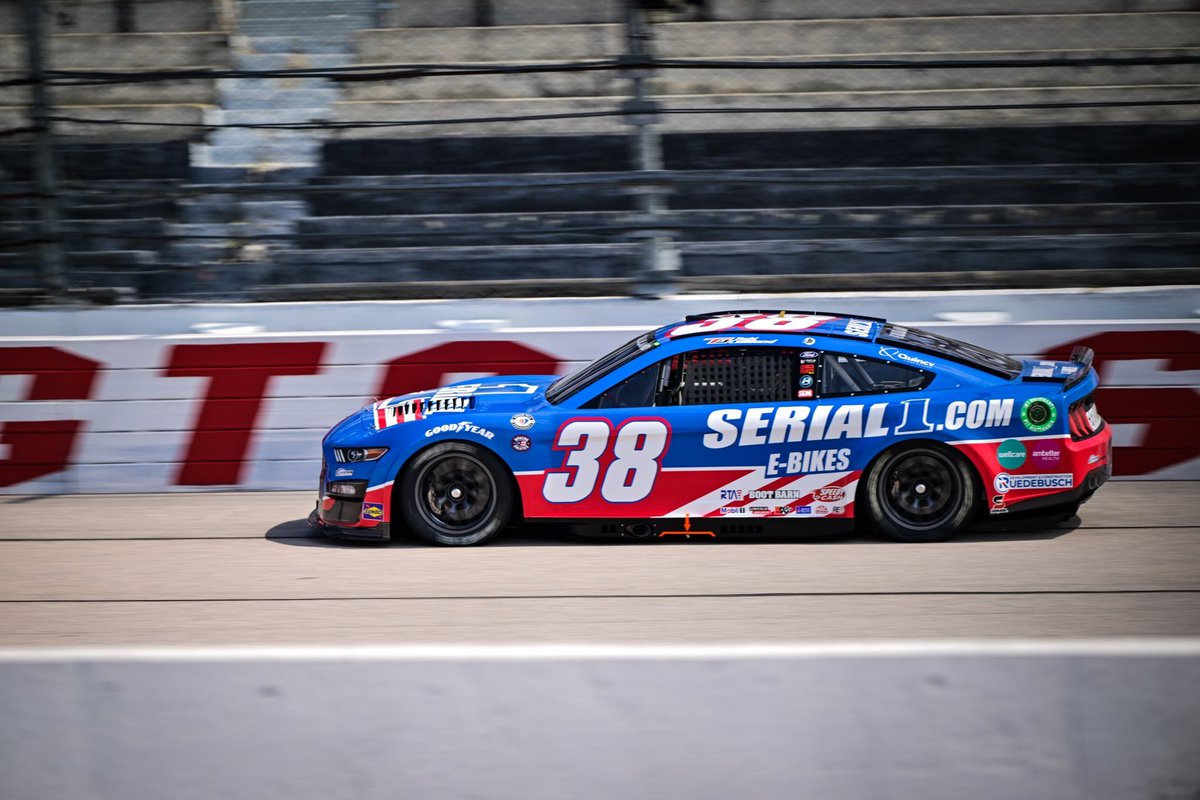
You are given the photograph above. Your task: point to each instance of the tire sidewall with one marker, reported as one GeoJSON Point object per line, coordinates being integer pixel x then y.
{"type": "Point", "coordinates": [409, 502]}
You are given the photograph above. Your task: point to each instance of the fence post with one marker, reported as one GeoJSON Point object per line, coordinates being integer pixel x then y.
{"type": "Point", "coordinates": [50, 252]}
{"type": "Point", "coordinates": [659, 256]}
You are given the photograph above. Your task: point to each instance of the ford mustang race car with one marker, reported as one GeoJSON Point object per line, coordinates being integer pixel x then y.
{"type": "Point", "coordinates": [729, 423]}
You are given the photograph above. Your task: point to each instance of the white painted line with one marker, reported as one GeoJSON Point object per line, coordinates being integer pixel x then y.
{"type": "Point", "coordinates": [958, 442]}
{"type": "Point", "coordinates": [951, 648]}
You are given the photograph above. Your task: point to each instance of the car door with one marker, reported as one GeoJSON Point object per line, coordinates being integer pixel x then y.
{"type": "Point", "coordinates": [666, 424]}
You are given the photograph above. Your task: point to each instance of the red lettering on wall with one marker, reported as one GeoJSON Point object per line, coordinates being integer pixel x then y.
{"type": "Point", "coordinates": [427, 369]}
{"type": "Point", "coordinates": [1171, 414]}
{"type": "Point", "coordinates": [239, 375]}
{"type": "Point", "coordinates": [42, 448]}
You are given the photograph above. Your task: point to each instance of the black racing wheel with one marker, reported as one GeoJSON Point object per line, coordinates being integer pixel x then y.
{"type": "Point", "coordinates": [920, 494]}
{"type": "Point", "coordinates": [455, 494]}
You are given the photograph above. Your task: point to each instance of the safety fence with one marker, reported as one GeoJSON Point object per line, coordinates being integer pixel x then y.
{"type": "Point", "coordinates": [260, 149]}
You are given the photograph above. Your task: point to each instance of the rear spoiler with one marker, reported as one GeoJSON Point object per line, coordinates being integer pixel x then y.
{"type": "Point", "coordinates": [1083, 356]}
{"type": "Point", "coordinates": [1068, 374]}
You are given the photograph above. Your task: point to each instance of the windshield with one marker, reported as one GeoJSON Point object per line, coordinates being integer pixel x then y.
{"type": "Point", "coordinates": [568, 385]}
{"type": "Point", "coordinates": [935, 343]}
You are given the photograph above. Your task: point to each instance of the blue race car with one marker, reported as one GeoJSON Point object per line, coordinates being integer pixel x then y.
{"type": "Point", "coordinates": [724, 424]}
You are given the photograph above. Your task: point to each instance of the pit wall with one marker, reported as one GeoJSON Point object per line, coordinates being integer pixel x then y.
{"type": "Point", "coordinates": [177, 398]}
{"type": "Point", "coordinates": [1069, 720]}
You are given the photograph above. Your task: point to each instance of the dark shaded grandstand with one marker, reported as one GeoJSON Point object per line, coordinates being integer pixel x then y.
{"type": "Point", "coordinates": [324, 149]}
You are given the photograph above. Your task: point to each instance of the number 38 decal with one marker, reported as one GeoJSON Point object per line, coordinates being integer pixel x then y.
{"type": "Point", "coordinates": [622, 462]}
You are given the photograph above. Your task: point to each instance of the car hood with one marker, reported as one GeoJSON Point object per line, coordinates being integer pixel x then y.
{"type": "Point", "coordinates": [510, 393]}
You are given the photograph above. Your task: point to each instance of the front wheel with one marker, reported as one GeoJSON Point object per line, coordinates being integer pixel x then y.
{"type": "Point", "coordinates": [455, 494]}
{"type": "Point", "coordinates": [920, 494]}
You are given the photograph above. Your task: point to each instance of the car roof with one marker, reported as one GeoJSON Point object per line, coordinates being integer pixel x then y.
{"type": "Point", "coordinates": [751, 324]}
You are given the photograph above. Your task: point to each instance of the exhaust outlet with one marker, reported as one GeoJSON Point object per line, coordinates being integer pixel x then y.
{"type": "Point", "coordinates": [639, 530]}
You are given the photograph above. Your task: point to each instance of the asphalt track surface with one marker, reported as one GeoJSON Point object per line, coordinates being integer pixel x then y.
{"type": "Point", "coordinates": [244, 569]}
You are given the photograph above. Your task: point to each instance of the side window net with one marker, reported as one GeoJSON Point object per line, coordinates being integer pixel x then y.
{"type": "Point", "coordinates": [759, 375]}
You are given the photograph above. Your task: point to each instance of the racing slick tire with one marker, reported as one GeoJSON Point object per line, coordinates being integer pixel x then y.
{"type": "Point", "coordinates": [921, 493]}
{"type": "Point", "coordinates": [455, 494]}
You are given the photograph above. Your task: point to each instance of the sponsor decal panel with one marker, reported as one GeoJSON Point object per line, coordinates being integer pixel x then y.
{"type": "Point", "coordinates": [1005, 483]}
{"type": "Point", "coordinates": [460, 427]}
{"type": "Point", "coordinates": [808, 461]}
{"type": "Point", "coordinates": [1011, 454]}
{"type": "Point", "coordinates": [1038, 414]}
{"type": "Point", "coordinates": [521, 443]}
{"type": "Point", "coordinates": [906, 358]}
{"type": "Point", "coordinates": [342, 472]}
{"type": "Point", "coordinates": [759, 425]}
{"type": "Point", "coordinates": [739, 340]}
{"type": "Point", "coordinates": [372, 510]}
{"type": "Point", "coordinates": [1046, 455]}
{"type": "Point", "coordinates": [830, 494]}
{"type": "Point", "coordinates": [522, 421]}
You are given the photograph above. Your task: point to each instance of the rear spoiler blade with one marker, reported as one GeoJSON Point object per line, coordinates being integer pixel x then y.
{"type": "Point", "coordinates": [1066, 373]}
{"type": "Point", "coordinates": [1083, 356]}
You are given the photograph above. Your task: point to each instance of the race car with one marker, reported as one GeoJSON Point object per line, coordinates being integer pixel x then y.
{"type": "Point", "coordinates": [725, 424]}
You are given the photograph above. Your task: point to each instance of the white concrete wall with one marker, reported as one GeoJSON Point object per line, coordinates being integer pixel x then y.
{"type": "Point", "coordinates": [238, 396]}
{"type": "Point", "coordinates": [1062, 720]}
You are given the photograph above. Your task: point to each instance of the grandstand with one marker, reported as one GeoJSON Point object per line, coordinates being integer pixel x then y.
{"type": "Point", "coordinates": [293, 149]}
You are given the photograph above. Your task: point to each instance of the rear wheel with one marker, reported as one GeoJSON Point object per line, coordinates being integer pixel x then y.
{"type": "Point", "coordinates": [455, 494]}
{"type": "Point", "coordinates": [920, 494]}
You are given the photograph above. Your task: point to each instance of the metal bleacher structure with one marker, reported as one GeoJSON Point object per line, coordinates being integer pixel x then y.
{"type": "Point", "coordinates": [474, 176]}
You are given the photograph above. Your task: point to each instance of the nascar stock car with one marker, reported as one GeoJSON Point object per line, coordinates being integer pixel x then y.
{"type": "Point", "coordinates": [729, 423]}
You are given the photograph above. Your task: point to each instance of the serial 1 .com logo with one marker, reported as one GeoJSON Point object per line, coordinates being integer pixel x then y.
{"type": "Point", "coordinates": [1007, 483]}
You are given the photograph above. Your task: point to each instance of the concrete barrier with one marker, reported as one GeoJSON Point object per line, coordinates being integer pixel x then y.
{"type": "Point", "coordinates": [1071, 720]}
{"type": "Point", "coordinates": [187, 397]}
